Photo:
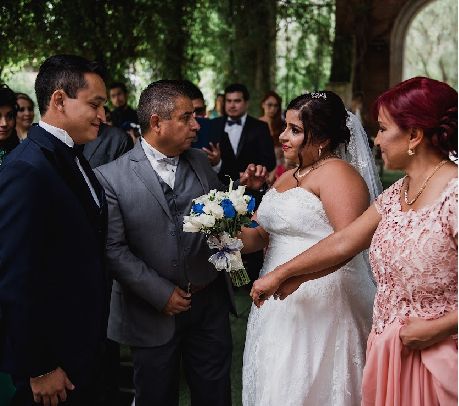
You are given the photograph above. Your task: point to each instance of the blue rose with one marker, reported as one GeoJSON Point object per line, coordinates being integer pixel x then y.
{"type": "Point", "coordinates": [228, 208]}
{"type": "Point", "coordinates": [251, 205]}
{"type": "Point", "coordinates": [198, 208]}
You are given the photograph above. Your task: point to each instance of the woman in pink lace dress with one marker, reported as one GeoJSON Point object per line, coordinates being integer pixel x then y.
{"type": "Point", "coordinates": [412, 229]}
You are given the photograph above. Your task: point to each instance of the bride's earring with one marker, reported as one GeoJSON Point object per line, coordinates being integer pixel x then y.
{"type": "Point", "coordinates": [411, 152]}
{"type": "Point", "coordinates": [320, 151]}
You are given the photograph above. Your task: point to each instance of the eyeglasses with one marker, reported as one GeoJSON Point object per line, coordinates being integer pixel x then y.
{"type": "Point", "coordinates": [22, 109]}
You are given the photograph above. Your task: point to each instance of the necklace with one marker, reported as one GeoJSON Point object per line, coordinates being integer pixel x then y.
{"type": "Point", "coordinates": [407, 187]}
{"type": "Point", "coordinates": [315, 165]}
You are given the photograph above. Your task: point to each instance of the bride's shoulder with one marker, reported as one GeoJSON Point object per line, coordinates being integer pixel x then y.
{"type": "Point", "coordinates": [339, 173]}
{"type": "Point", "coordinates": [338, 167]}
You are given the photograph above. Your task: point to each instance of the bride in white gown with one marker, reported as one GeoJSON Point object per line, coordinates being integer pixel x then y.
{"type": "Point", "coordinates": [309, 349]}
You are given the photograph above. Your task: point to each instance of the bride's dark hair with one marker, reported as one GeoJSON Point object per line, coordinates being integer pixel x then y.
{"type": "Point", "coordinates": [324, 119]}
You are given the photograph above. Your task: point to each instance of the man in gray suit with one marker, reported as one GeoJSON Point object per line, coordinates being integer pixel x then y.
{"type": "Point", "coordinates": [168, 302]}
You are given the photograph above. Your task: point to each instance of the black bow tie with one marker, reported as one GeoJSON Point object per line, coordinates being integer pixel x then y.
{"type": "Point", "coordinates": [232, 122]}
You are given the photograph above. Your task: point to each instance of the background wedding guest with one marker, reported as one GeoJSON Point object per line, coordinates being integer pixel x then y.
{"type": "Point", "coordinates": [8, 110]}
{"type": "Point", "coordinates": [243, 140]}
{"type": "Point", "coordinates": [122, 114]}
{"type": "Point", "coordinates": [219, 107]}
{"type": "Point", "coordinates": [271, 105]}
{"type": "Point", "coordinates": [25, 116]}
{"type": "Point", "coordinates": [110, 144]}
{"type": "Point", "coordinates": [53, 288]}
{"type": "Point", "coordinates": [412, 233]}
{"type": "Point", "coordinates": [205, 138]}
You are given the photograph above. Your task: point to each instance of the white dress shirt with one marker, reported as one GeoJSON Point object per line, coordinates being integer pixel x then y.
{"type": "Point", "coordinates": [63, 136]}
{"type": "Point", "coordinates": [164, 169]}
{"type": "Point", "coordinates": [234, 132]}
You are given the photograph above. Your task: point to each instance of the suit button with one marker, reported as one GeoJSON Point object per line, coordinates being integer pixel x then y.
{"type": "Point", "coordinates": [172, 233]}
{"type": "Point", "coordinates": [174, 263]}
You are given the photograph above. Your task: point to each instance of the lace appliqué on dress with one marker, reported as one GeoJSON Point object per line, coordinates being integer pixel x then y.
{"type": "Point", "coordinates": [414, 258]}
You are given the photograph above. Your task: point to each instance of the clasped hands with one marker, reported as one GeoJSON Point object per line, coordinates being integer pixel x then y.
{"type": "Point", "coordinates": [51, 388]}
{"type": "Point", "coordinates": [179, 301]}
{"type": "Point", "coordinates": [272, 285]}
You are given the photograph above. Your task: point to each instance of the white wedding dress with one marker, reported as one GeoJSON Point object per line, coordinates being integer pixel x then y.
{"type": "Point", "coordinates": [308, 349]}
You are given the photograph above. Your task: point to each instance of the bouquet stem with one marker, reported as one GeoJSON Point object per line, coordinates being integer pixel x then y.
{"type": "Point", "coordinates": [239, 278]}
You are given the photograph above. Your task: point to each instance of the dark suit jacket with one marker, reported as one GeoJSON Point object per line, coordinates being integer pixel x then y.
{"type": "Point", "coordinates": [53, 289]}
{"type": "Point", "coordinates": [111, 143]}
{"type": "Point", "coordinates": [255, 146]}
{"type": "Point", "coordinates": [204, 137]}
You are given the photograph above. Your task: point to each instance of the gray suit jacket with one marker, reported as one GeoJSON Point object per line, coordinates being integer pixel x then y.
{"type": "Point", "coordinates": [143, 249]}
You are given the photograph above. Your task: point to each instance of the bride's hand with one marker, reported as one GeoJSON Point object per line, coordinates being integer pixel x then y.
{"type": "Point", "coordinates": [264, 288]}
{"type": "Point", "coordinates": [289, 286]}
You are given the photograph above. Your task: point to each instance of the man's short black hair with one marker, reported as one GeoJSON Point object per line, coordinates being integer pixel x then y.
{"type": "Point", "coordinates": [119, 85]}
{"type": "Point", "coordinates": [238, 87]}
{"type": "Point", "coordinates": [159, 98]}
{"type": "Point", "coordinates": [8, 98]}
{"type": "Point", "coordinates": [193, 91]}
{"type": "Point", "coordinates": [63, 72]}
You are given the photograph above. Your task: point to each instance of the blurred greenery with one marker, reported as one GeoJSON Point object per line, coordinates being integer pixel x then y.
{"type": "Point", "coordinates": [270, 44]}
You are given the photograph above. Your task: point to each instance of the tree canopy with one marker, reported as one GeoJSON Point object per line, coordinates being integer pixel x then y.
{"type": "Point", "coordinates": [271, 44]}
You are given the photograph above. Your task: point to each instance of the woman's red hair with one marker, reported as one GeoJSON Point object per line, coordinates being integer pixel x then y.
{"type": "Point", "coordinates": [425, 104]}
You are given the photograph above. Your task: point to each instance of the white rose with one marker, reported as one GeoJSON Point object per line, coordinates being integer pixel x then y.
{"type": "Point", "coordinates": [240, 206]}
{"type": "Point", "coordinates": [190, 227]}
{"type": "Point", "coordinates": [205, 220]}
{"type": "Point", "coordinates": [213, 208]}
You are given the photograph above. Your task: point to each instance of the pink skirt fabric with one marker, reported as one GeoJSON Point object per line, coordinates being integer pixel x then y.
{"type": "Point", "coordinates": [396, 376]}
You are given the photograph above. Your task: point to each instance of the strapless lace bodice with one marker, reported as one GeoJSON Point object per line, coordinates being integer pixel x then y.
{"type": "Point", "coordinates": [293, 213]}
{"type": "Point", "coordinates": [308, 349]}
{"type": "Point", "coordinates": [295, 220]}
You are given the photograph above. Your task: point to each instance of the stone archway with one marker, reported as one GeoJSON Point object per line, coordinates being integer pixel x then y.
{"type": "Point", "coordinates": [398, 36]}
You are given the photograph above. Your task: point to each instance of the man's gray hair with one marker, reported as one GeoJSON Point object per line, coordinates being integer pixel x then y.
{"type": "Point", "coordinates": [159, 98]}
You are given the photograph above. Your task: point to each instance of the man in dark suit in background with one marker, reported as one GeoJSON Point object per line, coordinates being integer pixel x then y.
{"type": "Point", "coordinates": [53, 288]}
{"type": "Point", "coordinates": [122, 114]}
{"type": "Point", "coordinates": [242, 140]}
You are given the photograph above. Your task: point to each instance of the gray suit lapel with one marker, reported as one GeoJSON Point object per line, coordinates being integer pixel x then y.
{"type": "Point", "coordinates": [142, 168]}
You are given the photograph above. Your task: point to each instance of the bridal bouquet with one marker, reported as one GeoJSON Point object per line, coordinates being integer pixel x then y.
{"type": "Point", "coordinates": [220, 216]}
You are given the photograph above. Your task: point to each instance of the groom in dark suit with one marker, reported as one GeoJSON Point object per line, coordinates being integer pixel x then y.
{"type": "Point", "coordinates": [53, 289]}
{"type": "Point", "coordinates": [168, 302]}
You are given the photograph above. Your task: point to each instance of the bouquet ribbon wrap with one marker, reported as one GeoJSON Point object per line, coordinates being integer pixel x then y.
{"type": "Point", "coordinates": [228, 257]}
